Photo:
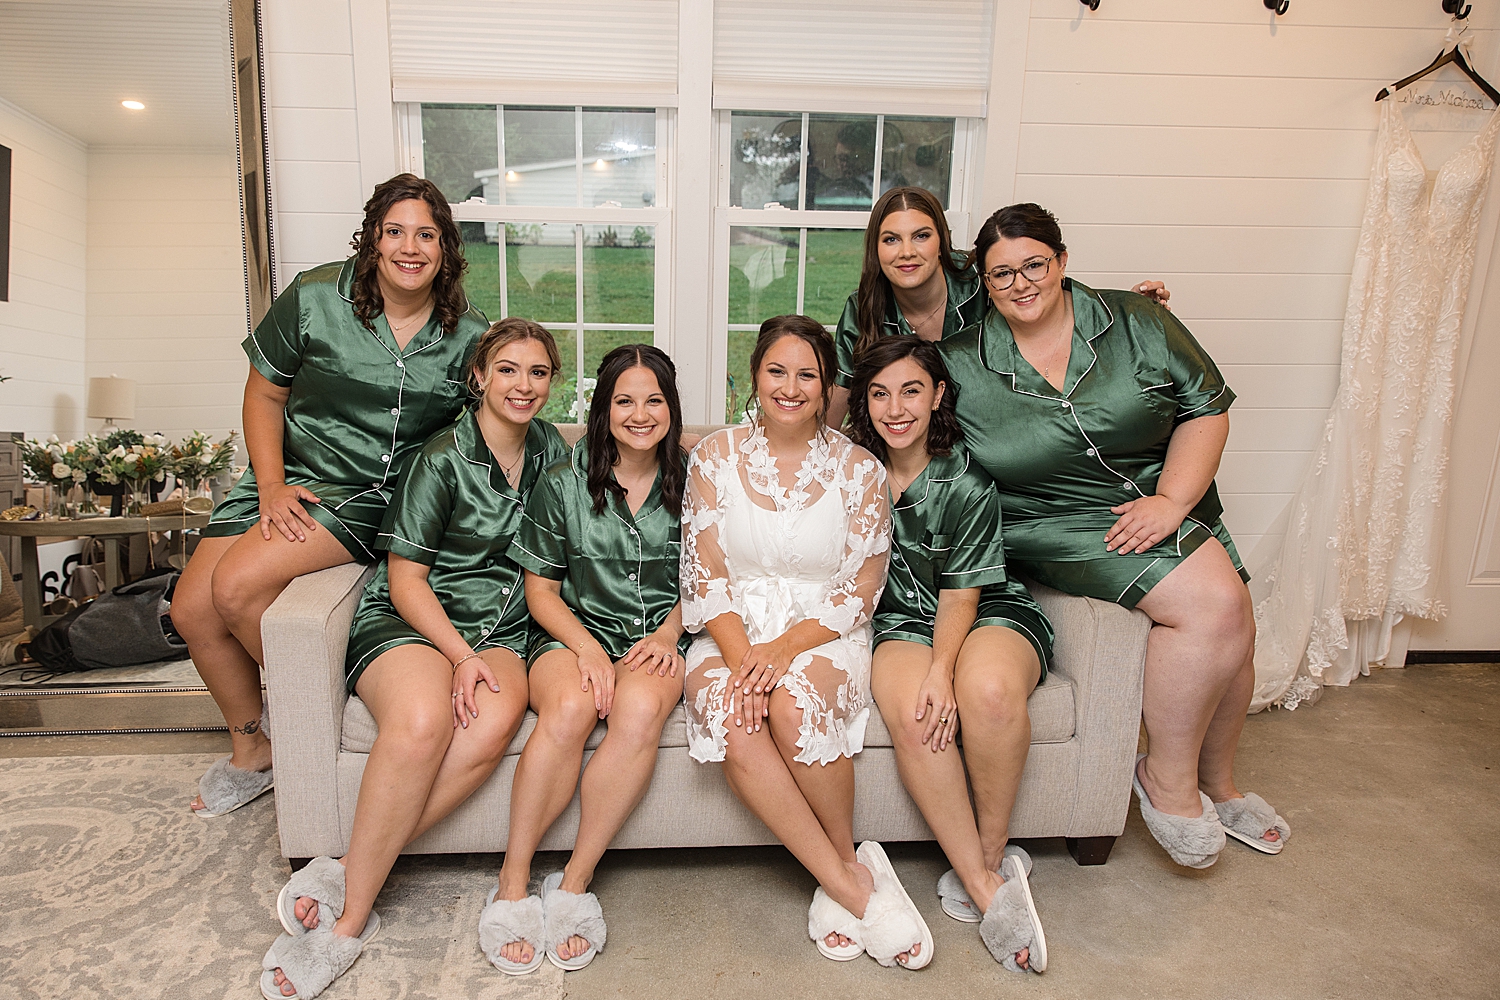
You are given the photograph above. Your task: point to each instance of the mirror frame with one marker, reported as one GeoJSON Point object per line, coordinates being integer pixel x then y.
{"type": "Point", "coordinates": [252, 150]}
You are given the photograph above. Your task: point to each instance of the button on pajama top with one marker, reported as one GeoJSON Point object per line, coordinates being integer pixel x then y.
{"type": "Point", "coordinates": [946, 536]}
{"type": "Point", "coordinates": [359, 405]}
{"type": "Point", "coordinates": [456, 512]}
{"type": "Point", "coordinates": [618, 570]}
{"type": "Point", "coordinates": [1061, 460]}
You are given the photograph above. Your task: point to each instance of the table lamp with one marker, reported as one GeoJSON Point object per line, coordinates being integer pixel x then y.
{"type": "Point", "coordinates": [111, 399]}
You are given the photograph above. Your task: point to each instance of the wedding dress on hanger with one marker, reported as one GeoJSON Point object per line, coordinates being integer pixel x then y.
{"type": "Point", "coordinates": [1365, 530]}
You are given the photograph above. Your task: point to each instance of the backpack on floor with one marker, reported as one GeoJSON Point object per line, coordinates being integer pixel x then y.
{"type": "Point", "coordinates": [129, 625]}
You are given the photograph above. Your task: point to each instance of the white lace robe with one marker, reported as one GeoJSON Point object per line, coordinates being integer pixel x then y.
{"type": "Point", "coordinates": [777, 555]}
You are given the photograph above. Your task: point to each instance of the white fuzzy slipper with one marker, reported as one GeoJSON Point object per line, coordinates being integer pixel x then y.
{"type": "Point", "coordinates": [827, 917]}
{"type": "Point", "coordinates": [312, 961]}
{"type": "Point", "coordinates": [568, 914]}
{"type": "Point", "coordinates": [1193, 843]}
{"type": "Point", "coordinates": [955, 898]}
{"type": "Point", "coordinates": [507, 921]}
{"type": "Point", "coordinates": [322, 879]}
{"type": "Point", "coordinates": [1011, 923]}
{"type": "Point", "coordinates": [892, 924]}
{"type": "Point", "coordinates": [1249, 819]}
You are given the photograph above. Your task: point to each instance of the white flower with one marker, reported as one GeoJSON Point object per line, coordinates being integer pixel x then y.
{"type": "Point", "coordinates": [61, 471]}
{"type": "Point", "coordinates": [53, 439]}
{"type": "Point", "coordinates": [118, 451]}
{"type": "Point", "coordinates": [131, 458]}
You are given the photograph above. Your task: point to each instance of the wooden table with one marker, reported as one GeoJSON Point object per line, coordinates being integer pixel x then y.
{"type": "Point", "coordinates": [110, 530]}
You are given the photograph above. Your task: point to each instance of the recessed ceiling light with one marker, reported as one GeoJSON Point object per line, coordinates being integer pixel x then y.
{"type": "Point", "coordinates": [133, 105]}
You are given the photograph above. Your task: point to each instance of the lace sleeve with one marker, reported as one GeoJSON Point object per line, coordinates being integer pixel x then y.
{"type": "Point", "coordinates": [854, 592]}
{"type": "Point", "coordinates": [706, 590]}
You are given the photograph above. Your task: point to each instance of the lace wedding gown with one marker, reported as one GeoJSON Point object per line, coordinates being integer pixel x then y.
{"type": "Point", "coordinates": [775, 556]}
{"type": "Point", "coordinates": [1365, 530]}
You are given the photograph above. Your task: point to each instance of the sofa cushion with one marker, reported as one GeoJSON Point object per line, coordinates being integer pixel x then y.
{"type": "Point", "coordinates": [1050, 707]}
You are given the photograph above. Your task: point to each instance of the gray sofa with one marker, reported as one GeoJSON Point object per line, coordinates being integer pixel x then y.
{"type": "Point", "coordinates": [1084, 725]}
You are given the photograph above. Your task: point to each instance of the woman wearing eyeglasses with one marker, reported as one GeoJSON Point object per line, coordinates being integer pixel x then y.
{"type": "Point", "coordinates": [912, 282]}
{"type": "Point", "coordinates": [1102, 422]}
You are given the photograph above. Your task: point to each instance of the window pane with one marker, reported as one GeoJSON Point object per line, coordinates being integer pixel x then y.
{"type": "Point", "coordinates": [540, 273]}
{"type": "Point", "coordinates": [833, 262]}
{"type": "Point", "coordinates": [541, 161]}
{"type": "Point", "coordinates": [765, 157]}
{"type": "Point", "coordinates": [619, 158]}
{"type": "Point", "coordinates": [919, 152]}
{"type": "Point", "coordinates": [559, 408]}
{"type": "Point", "coordinates": [762, 273]}
{"type": "Point", "coordinates": [619, 274]}
{"type": "Point", "coordinates": [737, 375]}
{"type": "Point", "coordinates": [460, 149]}
{"type": "Point", "coordinates": [482, 251]}
{"type": "Point", "coordinates": [840, 162]}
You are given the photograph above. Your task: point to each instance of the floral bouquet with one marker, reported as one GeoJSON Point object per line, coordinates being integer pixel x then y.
{"type": "Point", "coordinates": [51, 463]}
{"type": "Point", "coordinates": [137, 465]}
{"type": "Point", "coordinates": [199, 459]}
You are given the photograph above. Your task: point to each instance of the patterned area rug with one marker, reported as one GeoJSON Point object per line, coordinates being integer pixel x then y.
{"type": "Point", "coordinates": [110, 887]}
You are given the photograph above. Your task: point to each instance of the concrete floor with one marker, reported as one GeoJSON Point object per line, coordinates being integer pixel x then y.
{"type": "Point", "coordinates": [1389, 887]}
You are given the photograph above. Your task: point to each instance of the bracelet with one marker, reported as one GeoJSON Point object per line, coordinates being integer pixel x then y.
{"type": "Point", "coordinates": [461, 659]}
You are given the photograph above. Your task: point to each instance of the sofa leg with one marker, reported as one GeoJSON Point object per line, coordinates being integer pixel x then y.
{"type": "Point", "coordinates": [1090, 850]}
{"type": "Point", "coordinates": [300, 863]}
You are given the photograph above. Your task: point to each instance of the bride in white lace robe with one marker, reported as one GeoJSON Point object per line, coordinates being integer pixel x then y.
{"type": "Point", "coordinates": [774, 556]}
{"type": "Point", "coordinates": [786, 530]}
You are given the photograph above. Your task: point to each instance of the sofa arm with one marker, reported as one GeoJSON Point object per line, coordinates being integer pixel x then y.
{"type": "Point", "coordinates": [1101, 649]}
{"type": "Point", "coordinates": [305, 633]}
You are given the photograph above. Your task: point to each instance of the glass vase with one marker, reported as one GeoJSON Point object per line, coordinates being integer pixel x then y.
{"type": "Point", "coordinates": [138, 496]}
{"type": "Point", "coordinates": [56, 499]}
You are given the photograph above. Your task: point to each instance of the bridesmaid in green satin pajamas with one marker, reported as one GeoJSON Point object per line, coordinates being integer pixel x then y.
{"type": "Point", "coordinates": [956, 638]}
{"type": "Point", "coordinates": [356, 364]}
{"type": "Point", "coordinates": [1102, 422]}
{"type": "Point", "coordinates": [443, 615]}
{"type": "Point", "coordinates": [600, 542]}
{"type": "Point", "coordinates": [912, 282]}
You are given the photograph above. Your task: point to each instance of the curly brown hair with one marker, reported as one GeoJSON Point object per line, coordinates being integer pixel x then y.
{"type": "Point", "coordinates": [942, 433]}
{"type": "Point", "coordinates": [448, 300]}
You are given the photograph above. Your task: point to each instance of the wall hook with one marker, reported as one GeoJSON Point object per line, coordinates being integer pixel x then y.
{"type": "Point", "coordinates": [1090, 4]}
{"type": "Point", "coordinates": [1280, 6]}
{"type": "Point", "coordinates": [1453, 7]}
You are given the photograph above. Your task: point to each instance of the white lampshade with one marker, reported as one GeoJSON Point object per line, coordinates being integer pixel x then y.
{"type": "Point", "coordinates": [112, 398]}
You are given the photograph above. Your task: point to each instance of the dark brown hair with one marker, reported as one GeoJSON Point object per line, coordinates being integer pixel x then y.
{"type": "Point", "coordinates": [508, 331]}
{"type": "Point", "coordinates": [872, 301]}
{"type": "Point", "coordinates": [806, 329]}
{"type": "Point", "coordinates": [604, 452]}
{"type": "Point", "coordinates": [942, 433]}
{"type": "Point", "coordinates": [448, 300]}
{"type": "Point", "coordinates": [1015, 222]}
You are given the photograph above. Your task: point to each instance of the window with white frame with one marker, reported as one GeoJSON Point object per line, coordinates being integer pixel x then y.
{"type": "Point", "coordinates": [794, 201]}
{"type": "Point", "coordinates": [563, 218]}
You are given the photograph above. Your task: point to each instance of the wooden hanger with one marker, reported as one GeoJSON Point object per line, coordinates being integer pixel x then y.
{"type": "Point", "coordinates": [1454, 56]}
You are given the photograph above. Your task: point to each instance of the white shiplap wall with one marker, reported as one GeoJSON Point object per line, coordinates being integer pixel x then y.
{"type": "Point", "coordinates": [166, 286]}
{"type": "Point", "coordinates": [1228, 153]}
{"type": "Point", "coordinates": [316, 190]}
{"type": "Point", "coordinates": [42, 326]}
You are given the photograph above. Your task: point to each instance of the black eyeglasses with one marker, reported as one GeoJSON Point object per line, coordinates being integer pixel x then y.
{"type": "Point", "coordinates": [1002, 278]}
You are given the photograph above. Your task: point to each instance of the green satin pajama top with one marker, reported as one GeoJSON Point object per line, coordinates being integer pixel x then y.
{"type": "Point", "coordinates": [1061, 460]}
{"type": "Point", "coordinates": [359, 405]}
{"type": "Point", "coordinates": [618, 570]}
{"type": "Point", "coordinates": [946, 535]}
{"type": "Point", "coordinates": [966, 306]}
{"type": "Point", "coordinates": [456, 512]}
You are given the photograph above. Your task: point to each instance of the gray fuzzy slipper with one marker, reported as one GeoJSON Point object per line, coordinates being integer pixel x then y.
{"type": "Point", "coordinates": [1193, 843]}
{"type": "Point", "coordinates": [568, 914]}
{"type": "Point", "coordinates": [323, 880]}
{"type": "Point", "coordinates": [224, 788]}
{"type": "Point", "coordinates": [312, 961]}
{"type": "Point", "coordinates": [955, 898]}
{"type": "Point", "coordinates": [1011, 923]}
{"type": "Point", "coordinates": [1249, 819]}
{"type": "Point", "coordinates": [508, 921]}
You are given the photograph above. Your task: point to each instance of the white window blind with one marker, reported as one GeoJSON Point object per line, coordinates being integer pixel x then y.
{"type": "Point", "coordinates": [863, 56]}
{"type": "Point", "coordinates": [616, 52]}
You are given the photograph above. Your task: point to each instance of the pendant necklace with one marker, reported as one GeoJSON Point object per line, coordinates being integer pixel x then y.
{"type": "Point", "coordinates": [514, 466]}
